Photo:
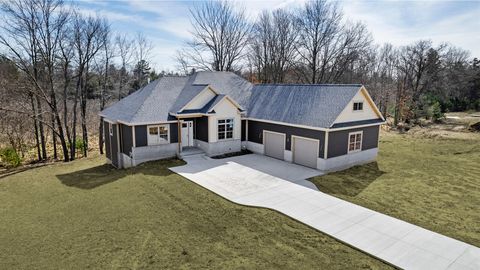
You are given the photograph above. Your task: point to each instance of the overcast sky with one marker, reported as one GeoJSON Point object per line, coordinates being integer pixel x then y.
{"type": "Point", "coordinates": [167, 23]}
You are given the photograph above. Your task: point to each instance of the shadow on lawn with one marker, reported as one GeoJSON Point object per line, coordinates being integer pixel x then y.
{"type": "Point", "coordinates": [350, 182]}
{"type": "Point", "coordinates": [103, 174]}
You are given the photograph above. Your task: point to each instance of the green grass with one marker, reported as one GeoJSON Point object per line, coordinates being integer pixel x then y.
{"type": "Point", "coordinates": [430, 182]}
{"type": "Point", "coordinates": [85, 215]}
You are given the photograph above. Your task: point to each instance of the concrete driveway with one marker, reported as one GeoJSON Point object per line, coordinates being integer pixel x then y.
{"type": "Point", "coordinates": [257, 180]}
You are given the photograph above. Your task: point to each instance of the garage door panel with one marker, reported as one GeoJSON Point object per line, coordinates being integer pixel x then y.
{"type": "Point", "coordinates": [274, 145]}
{"type": "Point", "coordinates": [305, 152]}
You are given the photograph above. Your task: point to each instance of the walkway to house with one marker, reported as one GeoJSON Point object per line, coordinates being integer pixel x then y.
{"type": "Point", "coordinates": [258, 180]}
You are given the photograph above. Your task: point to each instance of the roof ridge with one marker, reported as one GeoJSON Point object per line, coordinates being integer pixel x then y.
{"type": "Point", "coordinates": [154, 87]}
{"type": "Point", "coordinates": [306, 84]}
{"type": "Point", "coordinates": [143, 103]}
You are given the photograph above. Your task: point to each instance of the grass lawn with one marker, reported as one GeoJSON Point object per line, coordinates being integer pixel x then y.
{"type": "Point", "coordinates": [88, 215]}
{"type": "Point", "coordinates": [430, 182]}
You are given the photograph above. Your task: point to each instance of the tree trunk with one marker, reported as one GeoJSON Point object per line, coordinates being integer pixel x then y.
{"type": "Point", "coordinates": [54, 136]}
{"type": "Point", "coordinates": [37, 141]}
{"type": "Point", "coordinates": [66, 156]}
{"type": "Point", "coordinates": [102, 103]}
{"type": "Point", "coordinates": [120, 81]}
{"type": "Point", "coordinates": [41, 129]}
{"type": "Point", "coordinates": [58, 122]}
{"type": "Point", "coordinates": [398, 101]}
{"type": "Point", "coordinates": [83, 114]}
{"type": "Point", "coordinates": [74, 120]}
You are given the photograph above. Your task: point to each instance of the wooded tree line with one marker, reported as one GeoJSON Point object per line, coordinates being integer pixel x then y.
{"type": "Point", "coordinates": [57, 66]}
{"type": "Point", "coordinates": [316, 44]}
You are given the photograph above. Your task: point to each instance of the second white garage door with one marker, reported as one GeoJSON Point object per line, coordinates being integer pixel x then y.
{"type": "Point", "coordinates": [274, 144]}
{"type": "Point", "coordinates": [305, 151]}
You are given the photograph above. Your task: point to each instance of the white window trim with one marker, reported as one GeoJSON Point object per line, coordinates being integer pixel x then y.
{"type": "Point", "coordinates": [358, 101]}
{"type": "Point", "coordinates": [167, 127]}
{"type": "Point", "coordinates": [348, 142]}
{"type": "Point", "coordinates": [110, 129]}
{"type": "Point", "coordinates": [233, 129]}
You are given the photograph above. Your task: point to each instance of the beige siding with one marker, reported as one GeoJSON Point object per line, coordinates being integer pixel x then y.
{"type": "Point", "coordinates": [201, 100]}
{"type": "Point", "coordinates": [224, 109]}
{"type": "Point", "coordinates": [348, 115]}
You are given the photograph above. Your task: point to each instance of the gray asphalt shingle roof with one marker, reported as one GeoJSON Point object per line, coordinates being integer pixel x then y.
{"type": "Point", "coordinates": [310, 105]}
{"type": "Point", "coordinates": [227, 83]}
{"type": "Point", "coordinates": [150, 104]}
{"type": "Point", "coordinates": [154, 102]}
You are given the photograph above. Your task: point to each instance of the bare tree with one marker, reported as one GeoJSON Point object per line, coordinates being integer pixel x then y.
{"type": "Point", "coordinates": [220, 35]}
{"type": "Point", "coordinates": [88, 36]}
{"type": "Point", "coordinates": [32, 37]}
{"type": "Point", "coordinates": [273, 46]}
{"type": "Point", "coordinates": [52, 21]}
{"type": "Point", "coordinates": [142, 48]}
{"type": "Point", "coordinates": [319, 26]}
{"type": "Point", "coordinates": [141, 71]}
{"type": "Point", "coordinates": [124, 46]}
{"type": "Point", "coordinates": [108, 54]}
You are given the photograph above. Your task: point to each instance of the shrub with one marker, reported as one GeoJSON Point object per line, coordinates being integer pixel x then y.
{"type": "Point", "coordinates": [10, 157]}
{"type": "Point", "coordinates": [436, 112]}
{"type": "Point", "coordinates": [79, 144]}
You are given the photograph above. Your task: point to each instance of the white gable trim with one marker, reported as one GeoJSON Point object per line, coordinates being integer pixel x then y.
{"type": "Point", "coordinates": [207, 88]}
{"type": "Point", "coordinates": [370, 101]}
{"type": "Point", "coordinates": [369, 109]}
{"type": "Point", "coordinates": [233, 102]}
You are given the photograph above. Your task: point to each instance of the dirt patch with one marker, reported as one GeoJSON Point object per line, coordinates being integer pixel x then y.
{"type": "Point", "coordinates": [463, 134]}
{"type": "Point", "coordinates": [456, 125]}
{"type": "Point", "coordinates": [475, 127]}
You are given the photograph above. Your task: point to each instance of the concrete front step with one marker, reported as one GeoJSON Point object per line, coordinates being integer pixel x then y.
{"type": "Point", "coordinates": [191, 151]}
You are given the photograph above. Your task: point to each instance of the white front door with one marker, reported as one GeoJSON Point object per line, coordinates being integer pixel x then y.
{"type": "Point", "coordinates": [187, 133]}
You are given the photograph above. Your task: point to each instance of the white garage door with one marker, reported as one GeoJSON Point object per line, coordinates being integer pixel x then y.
{"type": "Point", "coordinates": [274, 144]}
{"type": "Point", "coordinates": [305, 151]}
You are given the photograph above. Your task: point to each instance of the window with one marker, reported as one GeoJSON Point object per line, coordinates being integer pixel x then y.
{"type": "Point", "coordinates": [354, 141]}
{"type": "Point", "coordinates": [110, 129]}
{"type": "Point", "coordinates": [163, 133]}
{"type": "Point", "coordinates": [158, 134]}
{"type": "Point", "coordinates": [358, 106]}
{"type": "Point", "coordinates": [225, 129]}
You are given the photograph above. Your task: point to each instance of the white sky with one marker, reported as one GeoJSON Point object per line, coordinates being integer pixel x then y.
{"type": "Point", "coordinates": [167, 23]}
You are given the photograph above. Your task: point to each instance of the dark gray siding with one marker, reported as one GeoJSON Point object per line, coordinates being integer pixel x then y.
{"type": "Point", "coordinates": [173, 133]}
{"type": "Point", "coordinates": [106, 135]}
{"type": "Point", "coordinates": [114, 145]}
{"type": "Point", "coordinates": [338, 140]}
{"type": "Point", "coordinates": [201, 126]}
{"type": "Point", "coordinates": [244, 130]}
{"type": "Point", "coordinates": [140, 136]}
{"type": "Point", "coordinates": [127, 140]}
{"type": "Point", "coordinates": [256, 128]}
